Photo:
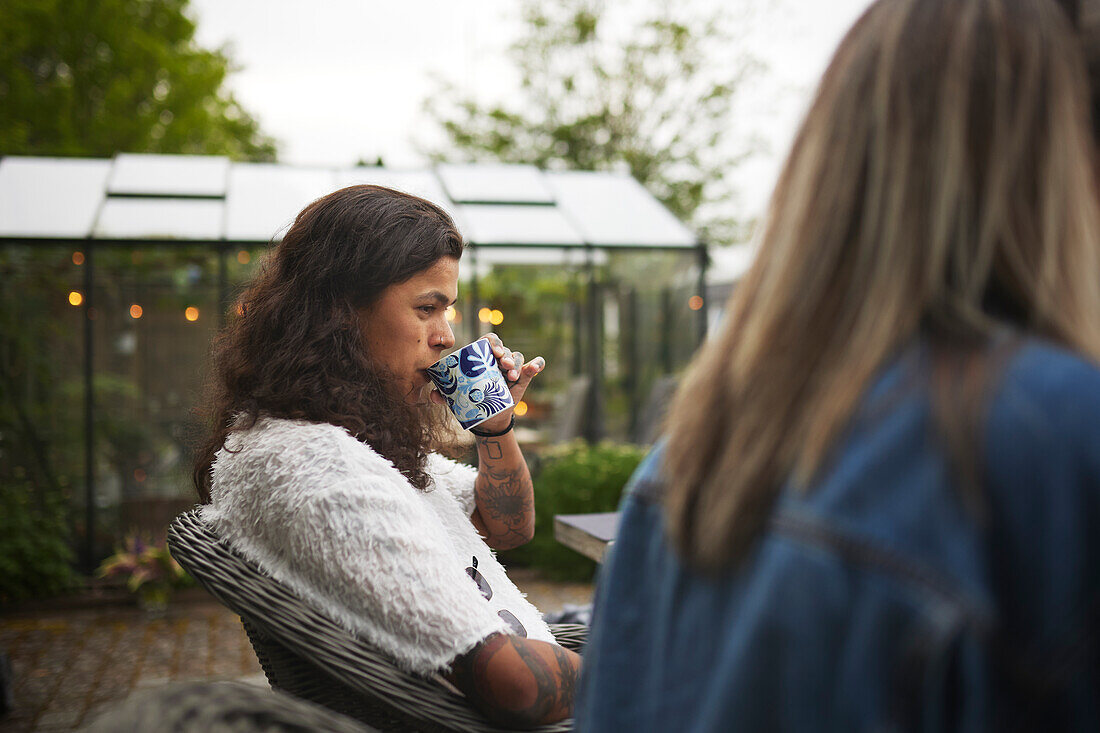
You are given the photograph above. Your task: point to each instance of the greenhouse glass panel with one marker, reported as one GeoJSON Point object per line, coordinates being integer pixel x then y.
{"type": "Point", "coordinates": [50, 197]}
{"type": "Point", "coordinates": [651, 337]}
{"type": "Point", "coordinates": [517, 224]}
{"type": "Point", "coordinates": [157, 309]}
{"type": "Point", "coordinates": [615, 210]}
{"type": "Point", "coordinates": [495, 183]}
{"type": "Point", "coordinates": [419, 183]}
{"type": "Point", "coordinates": [137, 218]}
{"type": "Point", "coordinates": [264, 198]}
{"type": "Point", "coordinates": [538, 256]}
{"type": "Point", "coordinates": [169, 175]}
{"type": "Point", "coordinates": [42, 409]}
{"type": "Point", "coordinates": [424, 184]}
{"type": "Point", "coordinates": [534, 309]}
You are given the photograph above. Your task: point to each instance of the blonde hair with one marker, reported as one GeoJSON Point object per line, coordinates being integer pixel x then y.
{"type": "Point", "coordinates": [940, 184]}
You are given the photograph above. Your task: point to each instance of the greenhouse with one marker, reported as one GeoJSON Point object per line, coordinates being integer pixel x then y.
{"type": "Point", "coordinates": [118, 272]}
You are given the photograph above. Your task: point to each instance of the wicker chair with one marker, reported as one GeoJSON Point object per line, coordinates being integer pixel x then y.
{"type": "Point", "coordinates": [304, 653]}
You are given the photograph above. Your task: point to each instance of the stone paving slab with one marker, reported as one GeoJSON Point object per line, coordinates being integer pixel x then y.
{"type": "Point", "coordinates": [71, 665]}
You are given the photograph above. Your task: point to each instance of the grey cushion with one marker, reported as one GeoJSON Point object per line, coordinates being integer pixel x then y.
{"type": "Point", "coordinates": [219, 707]}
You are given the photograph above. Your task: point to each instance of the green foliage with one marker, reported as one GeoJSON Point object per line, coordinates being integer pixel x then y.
{"type": "Point", "coordinates": [35, 477]}
{"type": "Point", "coordinates": [97, 77]}
{"type": "Point", "coordinates": [34, 552]}
{"type": "Point", "coordinates": [35, 352]}
{"type": "Point", "coordinates": [603, 88]}
{"type": "Point", "coordinates": [575, 478]}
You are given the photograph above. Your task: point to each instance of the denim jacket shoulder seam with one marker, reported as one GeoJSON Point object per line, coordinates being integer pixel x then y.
{"type": "Point", "coordinates": [811, 531]}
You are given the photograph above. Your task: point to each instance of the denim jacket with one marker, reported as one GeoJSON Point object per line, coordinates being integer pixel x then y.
{"type": "Point", "coordinates": [875, 601]}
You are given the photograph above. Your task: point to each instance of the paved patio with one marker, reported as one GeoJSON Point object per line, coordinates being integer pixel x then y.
{"type": "Point", "coordinates": [72, 664]}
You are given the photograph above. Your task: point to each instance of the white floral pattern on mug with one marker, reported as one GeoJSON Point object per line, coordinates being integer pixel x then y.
{"type": "Point", "coordinates": [472, 384]}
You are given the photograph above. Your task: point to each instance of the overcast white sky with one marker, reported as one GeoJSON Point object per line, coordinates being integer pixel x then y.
{"type": "Point", "coordinates": [339, 80]}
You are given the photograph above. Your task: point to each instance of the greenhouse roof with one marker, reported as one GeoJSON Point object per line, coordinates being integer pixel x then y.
{"type": "Point", "coordinates": [210, 199]}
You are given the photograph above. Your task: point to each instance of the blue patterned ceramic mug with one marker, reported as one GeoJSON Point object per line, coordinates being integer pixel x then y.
{"type": "Point", "coordinates": [471, 382]}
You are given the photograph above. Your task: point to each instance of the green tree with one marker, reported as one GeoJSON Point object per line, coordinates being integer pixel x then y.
{"type": "Point", "coordinates": [98, 77]}
{"type": "Point", "coordinates": [601, 90]}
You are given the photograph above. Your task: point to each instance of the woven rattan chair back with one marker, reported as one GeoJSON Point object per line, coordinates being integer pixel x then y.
{"type": "Point", "coordinates": [306, 654]}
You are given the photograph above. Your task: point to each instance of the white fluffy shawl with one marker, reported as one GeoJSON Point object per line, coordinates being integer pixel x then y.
{"type": "Point", "coordinates": [339, 525]}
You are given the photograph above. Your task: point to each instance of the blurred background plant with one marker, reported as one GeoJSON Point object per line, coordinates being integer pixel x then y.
{"type": "Point", "coordinates": [148, 569]}
{"type": "Point", "coordinates": [35, 556]}
{"type": "Point", "coordinates": [573, 478]}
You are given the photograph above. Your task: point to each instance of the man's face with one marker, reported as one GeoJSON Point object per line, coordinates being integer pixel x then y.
{"type": "Point", "coordinates": [406, 329]}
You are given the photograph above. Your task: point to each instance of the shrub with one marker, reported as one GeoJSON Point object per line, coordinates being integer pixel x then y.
{"type": "Point", "coordinates": [35, 557]}
{"type": "Point", "coordinates": [574, 478]}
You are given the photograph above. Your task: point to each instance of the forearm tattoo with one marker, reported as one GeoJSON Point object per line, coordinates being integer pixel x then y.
{"type": "Point", "coordinates": [504, 497]}
{"type": "Point", "coordinates": [493, 449]}
{"type": "Point", "coordinates": [554, 671]}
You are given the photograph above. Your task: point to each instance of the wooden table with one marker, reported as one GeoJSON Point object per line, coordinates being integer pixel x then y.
{"type": "Point", "coordinates": [589, 534]}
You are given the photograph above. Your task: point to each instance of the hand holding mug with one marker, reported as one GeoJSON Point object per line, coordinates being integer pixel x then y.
{"type": "Point", "coordinates": [517, 373]}
{"type": "Point", "coordinates": [482, 382]}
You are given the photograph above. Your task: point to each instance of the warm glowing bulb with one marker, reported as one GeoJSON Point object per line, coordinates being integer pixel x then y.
{"type": "Point", "coordinates": [496, 318]}
{"type": "Point", "coordinates": [244, 257]}
{"type": "Point", "coordinates": [695, 302]}
{"type": "Point", "coordinates": [450, 313]}
{"type": "Point", "coordinates": [75, 297]}
{"type": "Point", "coordinates": [136, 311]}
{"type": "Point", "coordinates": [484, 315]}
{"type": "Point", "coordinates": [78, 258]}
{"type": "Point", "coordinates": [191, 313]}
{"type": "Point", "coordinates": [521, 408]}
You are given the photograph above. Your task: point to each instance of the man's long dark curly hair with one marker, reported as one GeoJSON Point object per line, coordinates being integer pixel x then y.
{"type": "Point", "coordinates": [296, 350]}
